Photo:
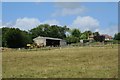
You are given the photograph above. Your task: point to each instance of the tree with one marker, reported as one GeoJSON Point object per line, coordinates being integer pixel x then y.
{"type": "Point", "coordinates": [117, 36]}
{"type": "Point", "coordinates": [46, 30]}
{"type": "Point", "coordinates": [99, 38]}
{"type": "Point", "coordinates": [72, 39]}
{"type": "Point", "coordinates": [4, 30]}
{"type": "Point", "coordinates": [86, 34]}
{"type": "Point", "coordinates": [39, 31]}
{"type": "Point", "coordinates": [0, 37]}
{"type": "Point", "coordinates": [27, 36]}
{"type": "Point", "coordinates": [83, 36]}
{"type": "Point", "coordinates": [96, 34]}
{"type": "Point", "coordinates": [15, 38]}
{"type": "Point", "coordinates": [76, 33]}
{"type": "Point", "coordinates": [74, 36]}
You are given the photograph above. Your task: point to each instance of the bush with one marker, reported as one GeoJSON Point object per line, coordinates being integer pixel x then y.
{"type": "Point", "coordinates": [99, 38]}
{"type": "Point", "coordinates": [85, 41]}
{"type": "Point", "coordinates": [112, 41]}
{"type": "Point", "coordinates": [15, 38]}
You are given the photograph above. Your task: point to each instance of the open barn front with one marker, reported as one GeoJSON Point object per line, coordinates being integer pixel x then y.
{"type": "Point", "coordinates": [51, 42]}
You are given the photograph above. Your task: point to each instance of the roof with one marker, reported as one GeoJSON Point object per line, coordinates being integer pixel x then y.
{"type": "Point", "coordinates": [40, 37]}
{"type": "Point", "coordinates": [107, 36]}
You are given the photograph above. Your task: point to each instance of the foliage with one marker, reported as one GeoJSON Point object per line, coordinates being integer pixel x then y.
{"type": "Point", "coordinates": [46, 30]}
{"type": "Point", "coordinates": [99, 38]}
{"type": "Point", "coordinates": [83, 36]}
{"type": "Point", "coordinates": [72, 39]}
{"type": "Point", "coordinates": [76, 33]}
{"type": "Point", "coordinates": [96, 34]}
{"type": "Point", "coordinates": [74, 36]}
{"type": "Point", "coordinates": [4, 30]}
{"type": "Point", "coordinates": [0, 37]}
{"type": "Point", "coordinates": [117, 36]}
{"type": "Point", "coordinates": [15, 38]}
{"type": "Point", "coordinates": [112, 41]}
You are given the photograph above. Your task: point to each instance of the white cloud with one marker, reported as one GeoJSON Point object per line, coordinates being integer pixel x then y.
{"type": "Point", "coordinates": [90, 23]}
{"type": "Point", "coordinates": [29, 23]}
{"type": "Point", "coordinates": [82, 23]}
{"type": "Point", "coordinates": [86, 23]}
{"type": "Point", "coordinates": [109, 30]}
{"type": "Point", "coordinates": [68, 8]}
{"type": "Point", "coordinates": [51, 22]}
{"type": "Point", "coordinates": [26, 23]}
{"type": "Point", "coordinates": [70, 5]}
{"type": "Point", "coordinates": [67, 11]}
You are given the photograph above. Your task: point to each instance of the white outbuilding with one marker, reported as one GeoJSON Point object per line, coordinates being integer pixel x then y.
{"type": "Point", "coordinates": [48, 41]}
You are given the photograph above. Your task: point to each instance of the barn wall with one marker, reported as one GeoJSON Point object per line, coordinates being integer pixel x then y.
{"type": "Point", "coordinates": [62, 43]}
{"type": "Point", "coordinates": [44, 41]}
{"type": "Point", "coordinates": [40, 41]}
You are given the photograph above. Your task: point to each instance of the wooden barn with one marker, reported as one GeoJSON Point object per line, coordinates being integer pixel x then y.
{"type": "Point", "coordinates": [48, 41]}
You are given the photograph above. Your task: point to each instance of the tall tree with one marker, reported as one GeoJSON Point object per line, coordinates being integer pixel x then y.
{"type": "Point", "coordinates": [86, 34]}
{"type": "Point", "coordinates": [15, 38]}
{"type": "Point", "coordinates": [83, 36]}
{"type": "Point", "coordinates": [74, 36]}
{"type": "Point", "coordinates": [117, 36]}
{"type": "Point", "coordinates": [99, 38]}
{"type": "Point", "coordinates": [0, 37]}
{"type": "Point", "coordinates": [4, 30]}
{"type": "Point", "coordinates": [46, 30]}
{"type": "Point", "coordinates": [76, 33]}
{"type": "Point", "coordinates": [39, 30]}
{"type": "Point", "coordinates": [96, 34]}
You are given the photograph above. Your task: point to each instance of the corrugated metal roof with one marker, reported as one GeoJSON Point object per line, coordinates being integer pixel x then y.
{"type": "Point", "coordinates": [107, 36]}
{"type": "Point", "coordinates": [40, 37]}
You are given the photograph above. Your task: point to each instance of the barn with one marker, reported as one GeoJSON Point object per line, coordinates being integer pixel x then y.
{"type": "Point", "coordinates": [48, 41]}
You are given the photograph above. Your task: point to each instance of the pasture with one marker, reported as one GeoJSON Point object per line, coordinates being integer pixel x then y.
{"type": "Point", "coordinates": [68, 62]}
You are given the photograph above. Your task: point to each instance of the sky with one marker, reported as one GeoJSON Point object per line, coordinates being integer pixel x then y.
{"type": "Point", "coordinates": [59, 0]}
{"type": "Point", "coordinates": [94, 16]}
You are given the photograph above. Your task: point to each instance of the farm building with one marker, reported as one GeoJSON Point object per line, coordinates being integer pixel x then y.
{"type": "Point", "coordinates": [107, 37]}
{"type": "Point", "coordinates": [48, 41]}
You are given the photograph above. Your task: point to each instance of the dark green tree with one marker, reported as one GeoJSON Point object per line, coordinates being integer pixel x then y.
{"type": "Point", "coordinates": [15, 38]}
{"type": "Point", "coordinates": [86, 34]}
{"type": "Point", "coordinates": [74, 36]}
{"type": "Point", "coordinates": [83, 36]}
{"type": "Point", "coordinates": [117, 36]}
{"type": "Point", "coordinates": [0, 37]}
{"type": "Point", "coordinates": [46, 30]}
{"type": "Point", "coordinates": [39, 31]}
{"type": "Point", "coordinates": [99, 38]}
{"type": "Point", "coordinates": [72, 39]}
{"type": "Point", "coordinates": [4, 30]}
{"type": "Point", "coordinates": [76, 33]}
{"type": "Point", "coordinates": [96, 34]}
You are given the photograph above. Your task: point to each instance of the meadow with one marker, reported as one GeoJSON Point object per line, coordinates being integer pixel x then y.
{"type": "Point", "coordinates": [68, 62]}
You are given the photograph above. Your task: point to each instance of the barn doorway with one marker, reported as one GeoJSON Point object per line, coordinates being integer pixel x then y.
{"type": "Point", "coordinates": [51, 42]}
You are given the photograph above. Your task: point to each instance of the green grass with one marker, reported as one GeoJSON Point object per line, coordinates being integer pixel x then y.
{"type": "Point", "coordinates": [74, 62]}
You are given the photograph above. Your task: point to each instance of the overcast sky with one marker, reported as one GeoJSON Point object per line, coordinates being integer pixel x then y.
{"type": "Point", "coordinates": [94, 16]}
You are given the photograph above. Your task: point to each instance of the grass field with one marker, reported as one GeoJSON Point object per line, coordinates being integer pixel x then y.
{"type": "Point", "coordinates": [74, 62]}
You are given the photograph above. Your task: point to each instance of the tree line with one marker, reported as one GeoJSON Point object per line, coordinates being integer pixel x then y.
{"type": "Point", "coordinates": [16, 38]}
